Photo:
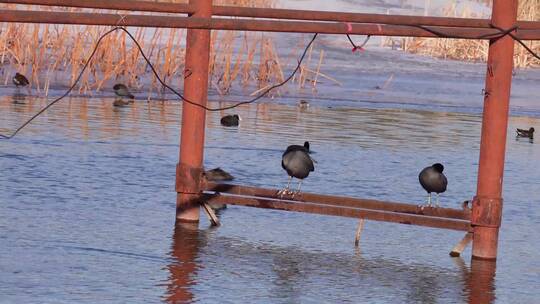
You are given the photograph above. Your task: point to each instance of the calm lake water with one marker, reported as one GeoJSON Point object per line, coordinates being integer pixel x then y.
{"type": "Point", "coordinates": [87, 208]}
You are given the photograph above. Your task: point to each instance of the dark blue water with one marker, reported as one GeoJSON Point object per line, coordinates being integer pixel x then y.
{"type": "Point", "coordinates": [87, 208]}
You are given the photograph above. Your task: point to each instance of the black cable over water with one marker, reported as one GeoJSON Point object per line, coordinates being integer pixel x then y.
{"type": "Point", "coordinates": [502, 33]}
{"type": "Point", "coordinates": [266, 91]}
{"type": "Point", "coordinates": [358, 47]}
{"type": "Point", "coordinates": [518, 40]}
{"type": "Point", "coordinates": [63, 95]}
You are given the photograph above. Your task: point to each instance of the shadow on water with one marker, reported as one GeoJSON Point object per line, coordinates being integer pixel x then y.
{"type": "Point", "coordinates": [291, 270]}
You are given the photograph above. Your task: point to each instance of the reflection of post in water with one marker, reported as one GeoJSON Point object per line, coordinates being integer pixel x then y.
{"type": "Point", "coordinates": [481, 281]}
{"type": "Point", "coordinates": [184, 250]}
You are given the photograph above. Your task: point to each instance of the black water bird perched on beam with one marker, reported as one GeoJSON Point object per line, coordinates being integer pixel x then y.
{"type": "Point", "coordinates": [433, 179]}
{"type": "Point", "coordinates": [230, 120]}
{"type": "Point", "coordinates": [525, 133]}
{"type": "Point", "coordinates": [20, 80]}
{"type": "Point", "coordinates": [298, 163]}
{"type": "Point", "coordinates": [218, 174]}
{"type": "Point", "coordinates": [122, 91]}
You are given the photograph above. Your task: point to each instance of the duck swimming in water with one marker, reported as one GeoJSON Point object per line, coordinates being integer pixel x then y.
{"type": "Point", "coordinates": [230, 120]}
{"type": "Point", "coordinates": [122, 91]}
{"type": "Point", "coordinates": [298, 163]}
{"type": "Point", "coordinates": [303, 104]}
{"type": "Point", "coordinates": [525, 133]}
{"type": "Point", "coordinates": [20, 80]}
{"type": "Point", "coordinates": [433, 179]}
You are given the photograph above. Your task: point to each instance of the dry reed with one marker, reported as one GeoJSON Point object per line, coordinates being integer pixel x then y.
{"type": "Point", "coordinates": [55, 54]}
{"type": "Point", "coordinates": [472, 50]}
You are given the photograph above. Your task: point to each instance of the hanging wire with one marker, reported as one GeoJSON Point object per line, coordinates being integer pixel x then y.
{"type": "Point", "coordinates": [440, 34]}
{"type": "Point", "coordinates": [118, 28]}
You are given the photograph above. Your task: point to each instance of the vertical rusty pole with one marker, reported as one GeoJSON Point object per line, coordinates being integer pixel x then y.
{"type": "Point", "coordinates": [487, 205]}
{"type": "Point", "coordinates": [189, 169]}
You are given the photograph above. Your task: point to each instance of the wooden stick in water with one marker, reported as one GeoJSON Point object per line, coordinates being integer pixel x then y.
{"type": "Point", "coordinates": [458, 249]}
{"type": "Point", "coordinates": [214, 220]}
{"type": "Point", "coordinates": [358, 232]}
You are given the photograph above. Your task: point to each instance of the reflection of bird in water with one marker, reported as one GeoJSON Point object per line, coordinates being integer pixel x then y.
{"type": "Point", "coordinates": [20, 80]}
{"type": "Point", "coordinates": [218, 175]}
{"type": "Point", "coordinates": [119, 102]}
{"type": "Point", "coordinates": [525, 133]}
{"type": "Point", "coordinates": [303, 104]}
{"type": "Point", "coordinates": [297, 162]}
{"type": "Point", "coordinates": [18, 98]}
{"type": "Point", "coordinates": [432, 179]}
{"type": "Point", "coordinates": [230, 120]}
{"type": "Point", "coordinates": [122, 91]}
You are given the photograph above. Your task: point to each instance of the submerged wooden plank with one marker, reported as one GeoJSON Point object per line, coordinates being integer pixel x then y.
{"type": "Point", "coordinates": [358, 232]}
{"type": "Point", "coordinates": [343, 201]}
{"type": "Point", "coordinates": [214, 220]}
{"type": "Point", "coordinates": [458, 249]}
{"type": "Point", "coordinates": [409, 219]}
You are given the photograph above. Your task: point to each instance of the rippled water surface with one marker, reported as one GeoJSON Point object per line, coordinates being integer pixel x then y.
{"type": "Point", "coordinates": [87, 207]}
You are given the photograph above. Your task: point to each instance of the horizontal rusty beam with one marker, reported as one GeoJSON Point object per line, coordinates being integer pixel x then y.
{"type": "Point", "coordinates": [274, 13]}
{"type": "Point", "coordinates": [343, 201]}
{"type": "Point", "coordinates": [245, 25]}
{"type": "Point", "coordinates": [126, 5]}
{"type": "Point", "coordinates": [434, 222]}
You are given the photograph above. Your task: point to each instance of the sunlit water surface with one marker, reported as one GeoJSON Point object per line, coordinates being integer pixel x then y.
{"type": "Point", "coordinates": [87, 207]}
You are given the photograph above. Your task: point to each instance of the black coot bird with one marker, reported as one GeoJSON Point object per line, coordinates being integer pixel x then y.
{"type": "Point", "coordinates": [218, 174]}
{"type": "Point", "coordinates": [432, 179]}
{"type": "Point", "coordinates": [298, 163]}
{"type": "Point", "coordinates": [230, 120]}
{"type": "Point", "coordinates": [303, 104]}
{"type": "Point", "coordinates": [20, 80]}
{"type": "Point", "coordinates": [525, 133]}
{"type": "Point", "coordinates": [122, 91]}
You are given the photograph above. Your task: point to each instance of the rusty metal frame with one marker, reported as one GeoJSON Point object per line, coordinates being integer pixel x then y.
{"type": "Point", "coordinates": [208, 23]}
{"type": "Point", "coordinates": [340, 201]}
{"type": "Point", "coordinates": [484, 220]}
{"type": "Point", "coordinates": [326, 209]}
{"type": "Point", "coordinates": [273, 13]}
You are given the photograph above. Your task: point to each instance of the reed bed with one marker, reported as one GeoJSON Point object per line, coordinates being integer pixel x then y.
{"type": "Point", "coordinates": [472, 50]}
{"type": "Point", "coordinates": [53, 55]}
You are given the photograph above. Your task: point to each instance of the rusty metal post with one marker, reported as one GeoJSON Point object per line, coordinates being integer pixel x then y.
{"type": "Point", "coordinates": [189, 169]}
{"type": "Point", "coordinates": [487, 205]}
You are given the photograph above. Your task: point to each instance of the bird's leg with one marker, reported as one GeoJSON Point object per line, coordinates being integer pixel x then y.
{"type": "Point", "coordinates": [437, 201]}
{"type": "Point", "coordinates": [429, 199]}
{"type": "Point", "coordinates": [286, 190]}
{"type": "Point", "coordinates": [299, 185]}
{"type": "Point", "coordinates": [297, 190]}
